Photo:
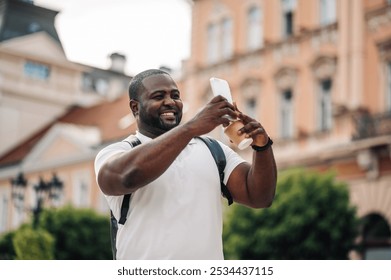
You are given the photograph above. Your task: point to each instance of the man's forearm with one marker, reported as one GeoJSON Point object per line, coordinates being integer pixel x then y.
{"type": "Point", "coordinates": [262, 178]}
{"type": "Point", "coordinates": [143, 164]}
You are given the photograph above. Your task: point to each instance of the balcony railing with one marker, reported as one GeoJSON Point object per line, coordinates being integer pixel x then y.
{"type": "Point", "coordinates": [372, 125]}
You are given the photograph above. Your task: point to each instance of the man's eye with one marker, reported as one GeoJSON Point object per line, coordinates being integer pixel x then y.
{"type": "Point", "coordinates": [158, 97]}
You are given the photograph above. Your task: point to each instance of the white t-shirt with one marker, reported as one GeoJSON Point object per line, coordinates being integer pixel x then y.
{"type": "Point", "coordinates": [178, 215]}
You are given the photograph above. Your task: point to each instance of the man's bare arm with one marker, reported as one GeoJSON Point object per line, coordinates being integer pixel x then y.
{"type": "Point", "coordinates": [126, 172]}
{"type": "Point", "coordinates": [254, 185]}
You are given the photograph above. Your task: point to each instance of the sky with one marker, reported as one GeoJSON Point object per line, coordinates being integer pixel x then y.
{"type": "Point", "coordinates": [150, 33]}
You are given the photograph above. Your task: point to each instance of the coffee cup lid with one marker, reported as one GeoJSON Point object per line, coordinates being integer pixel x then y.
{"type": "Point", "coordinates": [245, 143]}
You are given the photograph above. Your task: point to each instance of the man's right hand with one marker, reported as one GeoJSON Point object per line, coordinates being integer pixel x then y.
{"type": "Point", "coordinates": [212, 115]}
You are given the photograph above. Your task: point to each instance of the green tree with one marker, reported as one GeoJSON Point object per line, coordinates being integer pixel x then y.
{"type": "Point", "coordinates": [311, 218]}
{"type": "Point", "coordinates": [80, 234]}
{"type": "Point", "coordinates": [7, 250]}
{"type": "Point", "coordinates": [65, 234]}
{"type": "Point", "coordinates": [33, 244]}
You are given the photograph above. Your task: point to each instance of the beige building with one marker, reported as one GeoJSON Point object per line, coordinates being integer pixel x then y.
{"type": "Point", "coordinates": [40, 91]}
{"type": "Point", "coordinates": [317, 74]}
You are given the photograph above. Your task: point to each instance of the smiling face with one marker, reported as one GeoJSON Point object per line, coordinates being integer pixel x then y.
{"type": "Point", "coordinates": [159, 107]}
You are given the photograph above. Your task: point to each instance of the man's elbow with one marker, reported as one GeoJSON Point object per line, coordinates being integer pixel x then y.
{"type": "Point", "coordinates": [263, 201]}
{"type": "Point", "coordinates": [114, 184]}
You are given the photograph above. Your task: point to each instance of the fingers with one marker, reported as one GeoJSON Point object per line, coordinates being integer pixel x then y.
{"type": "Point", "coordinates": [223, 108]}
{"type": "Point", "coordinates": [252, 128]}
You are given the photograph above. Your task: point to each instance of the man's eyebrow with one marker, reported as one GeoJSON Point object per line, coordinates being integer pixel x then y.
{"type": "Point", "coordinates": [163, 91]}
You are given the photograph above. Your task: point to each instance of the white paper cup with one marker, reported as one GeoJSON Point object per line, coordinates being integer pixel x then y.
{"type": "Point", "coordinates": [239, 140]}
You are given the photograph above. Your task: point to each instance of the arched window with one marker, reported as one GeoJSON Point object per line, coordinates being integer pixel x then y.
{"type": "Point", "coordinates": [376, 236]}
{"type": "Point", "coordinates": [213, 43]}
{"type": "Point", "coordinates": [288, 7]}
{"type": "Point", "coordinates": [328, 12]}
{"type": "Point", "coordinates": [286, 114]}
{"type": "Point", "coordinates": [227, 38]}
{"type": "Point", "coordinates": [286, 81]}
{"type": "Point", "coordinates": [324, 70]}
{"type": "Point", "coordinates": [251, 96]}
{"type": "Point", "coordinates": [254, 28]}
{"type": "Point", "coordinates": [324, 105]}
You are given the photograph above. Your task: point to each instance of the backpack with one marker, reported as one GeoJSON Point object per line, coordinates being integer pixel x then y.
{"type": "Point", "coordinates": [218, 156]}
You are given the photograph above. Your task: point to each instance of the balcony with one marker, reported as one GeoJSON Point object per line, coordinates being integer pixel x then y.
{"type": "Point", "coordinates": [372, 125]}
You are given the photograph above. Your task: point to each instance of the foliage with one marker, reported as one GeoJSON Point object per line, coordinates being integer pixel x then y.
{"type": "Point", "coordinates": [80, 234]}
{"type": "Point", "coordinates": [76, 234]}
{"type": "Point", "coordinates": [33, 244]}
{"type": "Point", "coordinates": [310, 218]}
{"type": "Point", "coordinates": [7, 251]}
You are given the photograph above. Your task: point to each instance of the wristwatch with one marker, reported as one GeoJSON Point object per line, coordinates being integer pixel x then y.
{"type": "Point", "coordinates": [264, 147]}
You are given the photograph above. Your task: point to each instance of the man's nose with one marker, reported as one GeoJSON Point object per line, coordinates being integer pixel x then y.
{"type": "Point", "coordinates": [169, 101]}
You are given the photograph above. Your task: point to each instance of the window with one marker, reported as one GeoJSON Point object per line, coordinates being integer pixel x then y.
{"type": "Point", "coordinates": [287, 114]}
{"type": "Point", "coordinates": [81, 189]}
{"type": "Point", "coordinates": [324, 105]}
{"type": "Point", "coordinates": [288, 7]}
{"type": "Point", "coordinates": [227, 44]}
{"type": "Point", "coordinates": [101, 86]}
{"type": "Point", "coordinates": [3, 211]}
{"type": "Point", "coordinates": [376, 233]}
{"type": "Point", "coordinates": [388, 86]}
{"type": "Point", "coordinates": [95, 84]}
{"type": "Point", "coordinates": [220, 40]}
{"type": "Point", "coordinates": [250, 107]}
{"type": "Point", "coordinates": [213, 43]}
{"type": "Point", "coordinates": [254, 28]}
{"type": "Point", "coordinates": [36, 70]}
{"type": "Point", "coordinates": [251, 92]}
{"type": "Point", "coordinates": [328, 13]}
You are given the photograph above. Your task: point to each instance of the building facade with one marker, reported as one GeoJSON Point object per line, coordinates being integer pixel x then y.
{"type": "Point", "coordinates": [45, 101]}
{"type": "Point", "coordinates": [317, 74]}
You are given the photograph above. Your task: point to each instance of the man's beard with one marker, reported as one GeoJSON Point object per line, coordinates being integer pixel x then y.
{"type": "Point", "coordinates": [158, 122]}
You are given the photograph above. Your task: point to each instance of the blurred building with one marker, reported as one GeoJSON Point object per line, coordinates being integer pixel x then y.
{"type": "Point", "coordinates": [46, 102]}
{"type": "Point", "coordinates": [318, 75]}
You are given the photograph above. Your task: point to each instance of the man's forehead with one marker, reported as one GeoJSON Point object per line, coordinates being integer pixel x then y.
{"type": "Point", "coordinates": [157, 81]}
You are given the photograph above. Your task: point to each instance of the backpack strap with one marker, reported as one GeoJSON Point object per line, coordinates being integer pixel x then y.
{"type": "Point", "coordinates": [125, 202]}
{"type": "Point", "coordinates": [113, 234]}
{"type": "Point", "coordinates": [124, 209]}
{"type": "Point", "coordinates": [219, 157]}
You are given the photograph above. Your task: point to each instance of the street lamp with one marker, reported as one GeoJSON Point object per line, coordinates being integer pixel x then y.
{"type": "Point", "coordinates": [44, 190]}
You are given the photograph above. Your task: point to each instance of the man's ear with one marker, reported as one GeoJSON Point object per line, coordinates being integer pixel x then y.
{"type": "Point", "coordinates": [133, 104]}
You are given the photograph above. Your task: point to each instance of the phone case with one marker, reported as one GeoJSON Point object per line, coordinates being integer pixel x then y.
{"type": "Point", "coordinates": [221, 87]}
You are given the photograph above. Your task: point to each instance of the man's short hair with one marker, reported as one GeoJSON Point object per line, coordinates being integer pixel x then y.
{"type": "Point", "coordinates": [136, 84]}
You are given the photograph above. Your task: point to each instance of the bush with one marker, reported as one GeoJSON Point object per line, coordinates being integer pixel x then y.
{"type": "Point", "coordinates": [7, 251]}
{"type": "Point", "coordinates": [80, 234]}
{"type": "Point", "coordinates": [33, 244]}
{"type": "Point", "coordinates": [310, 219]}
{"type": "Point", "coordinates": [64, 233]}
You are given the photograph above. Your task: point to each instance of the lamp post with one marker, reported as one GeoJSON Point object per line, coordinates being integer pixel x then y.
{"type": "Point", "coordinates": [44, 190]}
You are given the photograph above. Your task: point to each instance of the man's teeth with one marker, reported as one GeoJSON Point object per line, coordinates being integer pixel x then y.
{"type": "Point", "coordinates": [168, 114]}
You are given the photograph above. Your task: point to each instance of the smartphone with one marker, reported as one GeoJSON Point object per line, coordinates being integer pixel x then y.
{"type": "Point", "coordinates": [221, 87]}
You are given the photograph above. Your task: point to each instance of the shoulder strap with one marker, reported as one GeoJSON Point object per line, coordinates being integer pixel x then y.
{"type": "Point", "coordinates": [124, 209]}
{"type": "Point", "coordinates": [219, 157]}
{"type": "Point", "coordinates": [125, 202]}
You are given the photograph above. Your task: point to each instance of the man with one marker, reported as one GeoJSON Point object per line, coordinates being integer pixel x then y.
{"type": "Point", "coordinates": [175, 209]}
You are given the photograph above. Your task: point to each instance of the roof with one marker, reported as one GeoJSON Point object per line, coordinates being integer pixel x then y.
{"type": "Point", "coordinates": [22, 18]}
{"type": "Point", "coordinates": [112, 118]}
